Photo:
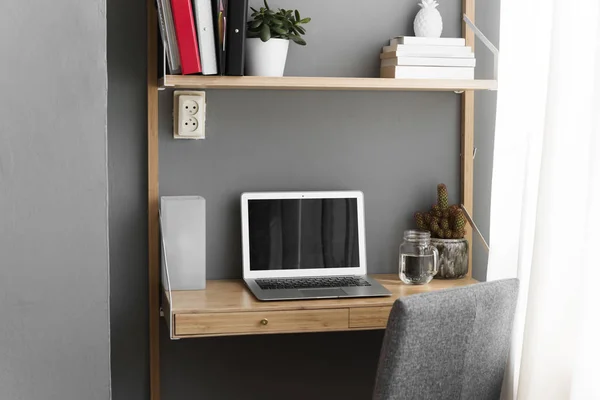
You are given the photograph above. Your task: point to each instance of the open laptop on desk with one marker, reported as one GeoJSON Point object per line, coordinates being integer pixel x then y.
{"type": "Point", "coordinates": [306, 245]}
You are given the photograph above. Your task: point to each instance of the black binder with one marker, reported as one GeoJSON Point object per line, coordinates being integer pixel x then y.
{"type": "Point", "coordinates": [221, 20]}
{"type": "Point", "coordinates": [237, 11]}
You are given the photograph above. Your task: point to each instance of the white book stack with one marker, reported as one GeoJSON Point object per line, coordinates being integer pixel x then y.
{"type": "Point", "coordinates": [409, 57]}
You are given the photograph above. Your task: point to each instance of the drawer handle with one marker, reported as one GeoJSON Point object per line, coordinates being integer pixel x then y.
{"type": "Point", "coordinates": [264, 321]}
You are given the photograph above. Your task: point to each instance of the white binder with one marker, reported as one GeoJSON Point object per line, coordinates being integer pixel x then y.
{"type": "Point", "coordinates": [206, 36]}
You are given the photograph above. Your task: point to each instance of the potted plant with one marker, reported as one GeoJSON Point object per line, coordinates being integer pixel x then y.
{"type": "Point", "coordinates": [269, 35]}
{"type": "Point", "coordinates": [447, 226]}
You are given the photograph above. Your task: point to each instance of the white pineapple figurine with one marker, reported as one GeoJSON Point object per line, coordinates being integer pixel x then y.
{"type": "Point", "coordinates": [428, 22]}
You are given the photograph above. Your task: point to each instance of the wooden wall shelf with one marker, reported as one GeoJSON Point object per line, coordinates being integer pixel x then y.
{"type": "Point", "coordinates": [235, 310]}
{"type": "Point", "coordinates": [228, 308]}
{"type": "Point", "coordinates": [323, 83]}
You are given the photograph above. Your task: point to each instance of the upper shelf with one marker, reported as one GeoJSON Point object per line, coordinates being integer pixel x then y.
{"type": "Point", "coordinates": [323, 83]}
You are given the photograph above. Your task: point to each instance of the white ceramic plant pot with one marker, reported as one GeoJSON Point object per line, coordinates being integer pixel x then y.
{"type": "Point", "coordinates": [266, 58]}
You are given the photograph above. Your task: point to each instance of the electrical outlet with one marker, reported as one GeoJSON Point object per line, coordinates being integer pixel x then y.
{"type": "Point", "coordinates": [190, 106]}
{"type": "Point", "coordinates": [188, 126]}
{"type": "Point", "coordinates": [189, 114]}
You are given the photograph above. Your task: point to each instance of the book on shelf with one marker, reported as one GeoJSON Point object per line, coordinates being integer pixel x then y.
{"type": "Point", "coordinates": [412, 72]}
{"type": "Point", "coordinates": [185, 31]}
{"type": "Point", "coordinates": [220, 31]}
{"type": "Point", "coordinates": [237, 11]}
{"type": "Point", "coordinates": [392, 61]}
{"type": "Point", "coordinates": [206, 36]}
{"type": "Point", "coordinates": [425, 41]}
{"type": "Point", "coordinates": [167, 33]}
{"type": "Point", "coordinates": [429, 51]}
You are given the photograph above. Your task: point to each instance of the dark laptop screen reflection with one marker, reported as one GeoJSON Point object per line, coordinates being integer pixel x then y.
{"type": "Point", "coordinates": [303, 233]}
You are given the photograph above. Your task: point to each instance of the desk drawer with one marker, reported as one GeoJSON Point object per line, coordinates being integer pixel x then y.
{"type": "Point", "coordinates": [369, 317]}
{"type": "Point", "coordinates": [261, 322]}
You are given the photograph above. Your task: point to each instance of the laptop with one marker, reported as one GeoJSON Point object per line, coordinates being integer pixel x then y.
{"type": "Point", "coordinates": [306, 245]}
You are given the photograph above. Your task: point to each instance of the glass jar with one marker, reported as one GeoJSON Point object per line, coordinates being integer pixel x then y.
{"type": "Point", "coordinates": [418, 258]}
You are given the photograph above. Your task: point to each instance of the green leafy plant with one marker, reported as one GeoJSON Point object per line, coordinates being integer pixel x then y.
{"type": "Point", "coordinates": [280, 24]}
{"type": "Point", "coordinates": [443, 221]}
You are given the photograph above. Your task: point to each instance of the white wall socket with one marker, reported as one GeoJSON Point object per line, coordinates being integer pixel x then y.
{"type": "Point", "coordinates": [189, 114]}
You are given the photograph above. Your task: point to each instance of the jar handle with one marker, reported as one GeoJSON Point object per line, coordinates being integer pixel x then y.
{"type": "Point", "coordinates": [436, 256]}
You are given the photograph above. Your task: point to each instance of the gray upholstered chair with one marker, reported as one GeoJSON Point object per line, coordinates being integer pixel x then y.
{"type": "Point", "coordinates": [452, 344]}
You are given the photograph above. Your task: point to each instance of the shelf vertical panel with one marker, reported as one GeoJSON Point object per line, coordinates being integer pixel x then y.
{"type": "Point", "coordinates": [153, 225]}
{"type": "Point", "coordinates": [468, 134]}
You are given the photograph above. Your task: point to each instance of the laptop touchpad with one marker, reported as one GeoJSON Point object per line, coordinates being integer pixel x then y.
{"type": "Point", "coordinates": [322, 292]}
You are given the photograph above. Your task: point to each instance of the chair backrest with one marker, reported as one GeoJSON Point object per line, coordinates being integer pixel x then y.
{"type": "Point", "coordinates": [450, 344]}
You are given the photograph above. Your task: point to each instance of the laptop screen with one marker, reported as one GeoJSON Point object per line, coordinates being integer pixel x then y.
{"type": "Point", "coordinates": [303, 233]}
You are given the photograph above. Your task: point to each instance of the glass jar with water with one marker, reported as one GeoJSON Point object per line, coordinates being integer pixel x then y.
{"type": "Point", "coordinates": [418, 258]}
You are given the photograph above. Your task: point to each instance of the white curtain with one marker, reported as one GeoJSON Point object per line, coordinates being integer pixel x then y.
{"type": "Point", "coordinates": [545, 212]}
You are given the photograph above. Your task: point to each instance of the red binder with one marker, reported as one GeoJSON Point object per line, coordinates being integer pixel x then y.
{"type": "Point", "coordinates": [185, 30]}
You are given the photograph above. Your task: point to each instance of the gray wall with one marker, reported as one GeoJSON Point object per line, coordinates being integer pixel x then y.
{"type": "Point", "coordinates": [127, 177]}
{"type": "Point", "coordinates": [54, 335]}
{"type": "Point", "coordinates": [393, 146]}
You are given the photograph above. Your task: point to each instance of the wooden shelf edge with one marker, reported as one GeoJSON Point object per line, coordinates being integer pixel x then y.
{"type": "Point", "coordinates": [322, 83]}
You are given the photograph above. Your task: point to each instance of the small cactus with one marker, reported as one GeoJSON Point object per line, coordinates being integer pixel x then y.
{"type": "Point", "coordinates": [445, 224]}
{"type": "Point", "coordinates": [420, 221]}
{"type": "Point", "coordinates": [442, 193]}
{"type": "Point", "coordinates": [427, 218]}
{"type": "Point", "coordinates": [459, 222]}
{"type": "Point", "coordinates": [444, 221]}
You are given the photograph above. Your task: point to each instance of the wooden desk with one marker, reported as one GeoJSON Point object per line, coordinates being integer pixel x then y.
{"type": "Point", "coordinates": [227, 308]}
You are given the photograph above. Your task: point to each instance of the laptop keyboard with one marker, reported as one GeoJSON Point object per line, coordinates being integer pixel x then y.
{"type": "Point", "coordinates": [311, 283]}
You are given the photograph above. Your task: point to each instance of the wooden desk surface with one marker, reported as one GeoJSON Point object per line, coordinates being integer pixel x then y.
{"type": "Point", "coordinates": [233, 296]}
{"type": "Point", "coordinates": [227, 307]}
